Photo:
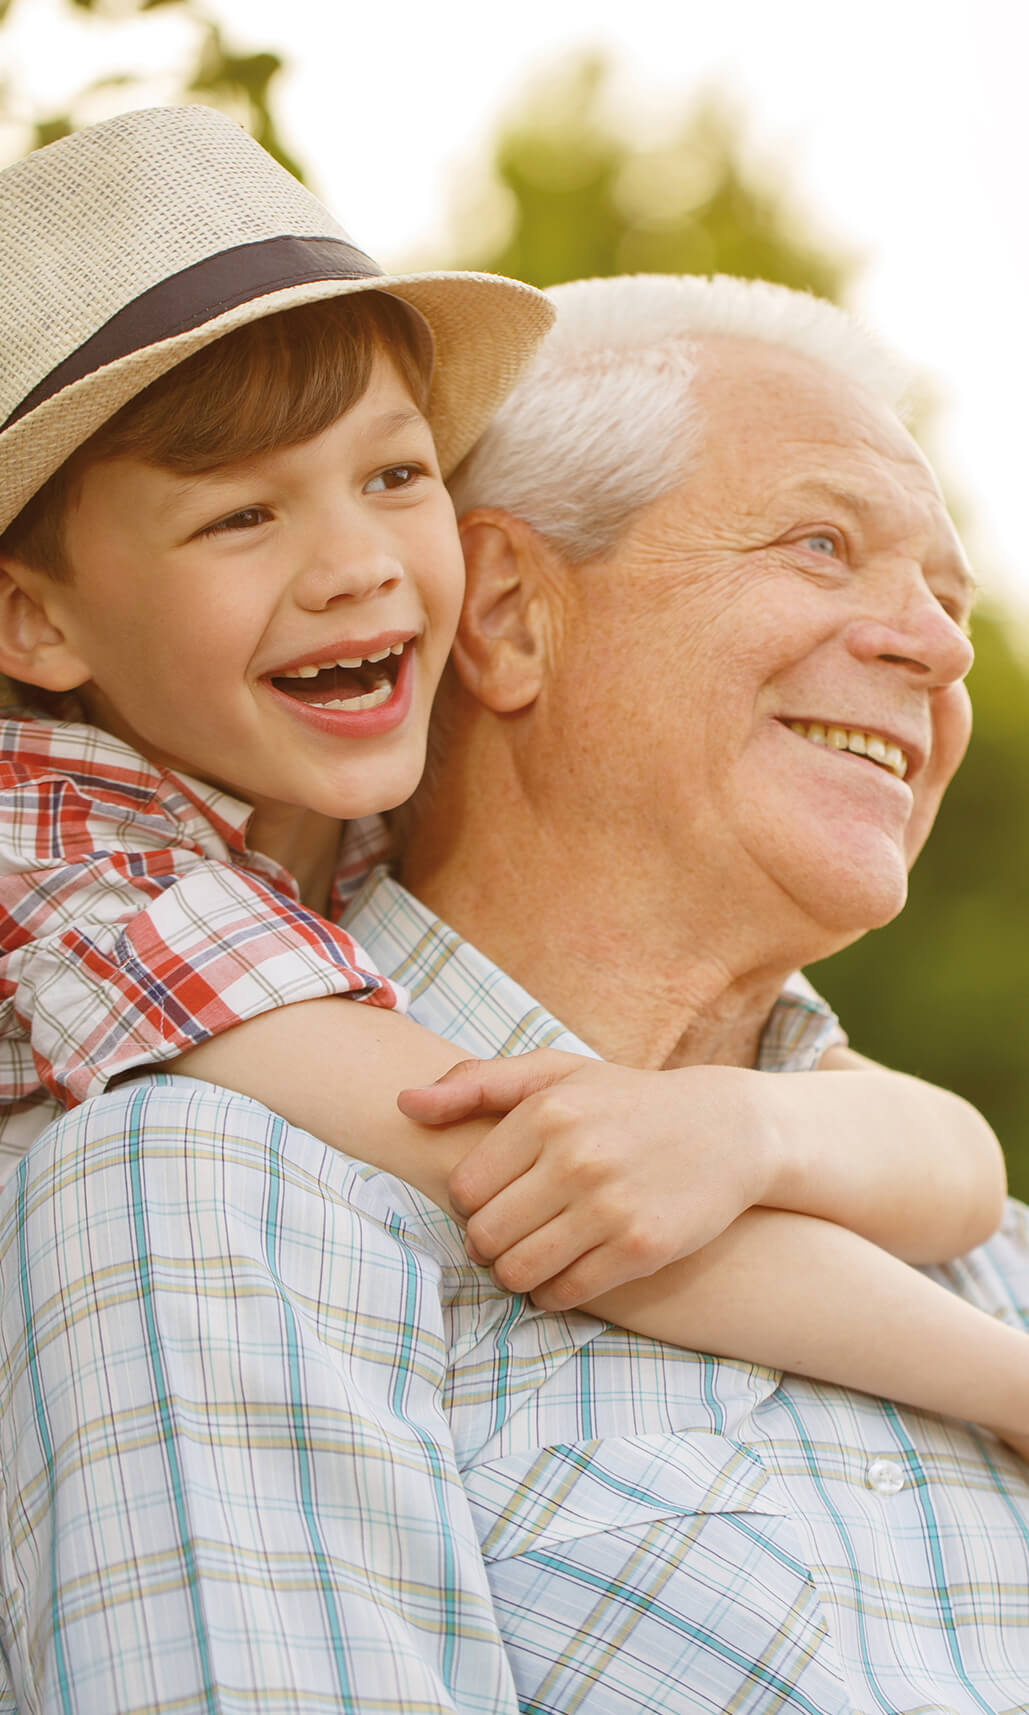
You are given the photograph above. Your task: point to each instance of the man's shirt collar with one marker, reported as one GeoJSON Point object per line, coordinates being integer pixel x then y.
{"type": "Point", "coordinates": [459, 992]}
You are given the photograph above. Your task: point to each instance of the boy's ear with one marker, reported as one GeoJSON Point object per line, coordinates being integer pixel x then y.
{"type": "Point", "coordinates": [33, 646]}
{"type": "Point", "coordinates": [500, 651]}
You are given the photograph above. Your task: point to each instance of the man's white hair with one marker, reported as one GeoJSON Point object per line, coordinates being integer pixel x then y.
{"type": "Point", "coordinates": [605, 419]}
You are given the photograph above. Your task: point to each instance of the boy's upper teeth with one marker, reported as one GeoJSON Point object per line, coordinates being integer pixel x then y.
{"type": "Point", "coordinates": [311, 671]}
{"type": "Point", "coordinates": [872, 744]}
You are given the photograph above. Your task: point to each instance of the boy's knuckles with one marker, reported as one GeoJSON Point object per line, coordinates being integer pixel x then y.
{"type": "Point", "coordinates": [515, 1273]}
{"type": "Point", "coordinates": [563, 1293]}
{"type": "Point", "coordinates": [464, 1192]}
{"type": "Point", "coordinates": [557, 1110]}
{"type": "Point", "coordinates": [640, 1249]}
{"type": "Point", "coordinates": [483, 1237]}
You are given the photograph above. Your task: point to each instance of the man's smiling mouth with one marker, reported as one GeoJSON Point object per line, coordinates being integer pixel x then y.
{"type": "Point", "coordinates": [858, 741]}
{"type": "Point", "coordinates": [350, 683]}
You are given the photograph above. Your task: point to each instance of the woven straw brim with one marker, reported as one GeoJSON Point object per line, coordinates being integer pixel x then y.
{"type": "Point", "coordinates": [485, 329]}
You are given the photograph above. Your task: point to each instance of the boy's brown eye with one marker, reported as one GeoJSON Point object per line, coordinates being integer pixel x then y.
{"type": "Point", "coordinates": [247, 518]}
{"type": "Point", "coordinates": [397, 476]}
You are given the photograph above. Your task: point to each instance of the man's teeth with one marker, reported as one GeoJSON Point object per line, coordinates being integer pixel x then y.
{"type": "Point", "coordinates": [352, 661]}
{"type": "Point", "coordinates": [861, 743]}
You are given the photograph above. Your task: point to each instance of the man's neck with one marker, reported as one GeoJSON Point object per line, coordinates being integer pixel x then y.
{"type": "Point", "coordinates": [614, 962]}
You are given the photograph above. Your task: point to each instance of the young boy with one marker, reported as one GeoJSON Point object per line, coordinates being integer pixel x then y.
{"type": "Point", "coordinates": [230, 579]}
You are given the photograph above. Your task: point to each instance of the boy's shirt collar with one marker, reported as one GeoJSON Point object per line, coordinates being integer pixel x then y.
{"type": "Point", "coordinates": [201, 810]}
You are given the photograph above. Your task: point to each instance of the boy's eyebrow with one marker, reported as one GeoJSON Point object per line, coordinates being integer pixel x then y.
{"type": "Point", "coordinates": [392, 422]}
{"type": "Point", "coordinates": [388, 423]}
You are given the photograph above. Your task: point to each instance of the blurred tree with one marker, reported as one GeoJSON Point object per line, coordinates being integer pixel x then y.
{"type": "Point", "coordinates": [239, 83]}
{"type": "Point", "coordinates": [580, 199]}
{"type": "Point", "coordinates": [942, 991]}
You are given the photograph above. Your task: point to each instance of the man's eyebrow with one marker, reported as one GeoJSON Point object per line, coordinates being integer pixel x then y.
{"type": "Point", "coordinates": [815, 489]}
{"type": "Point", "coordinates": [862, 504]}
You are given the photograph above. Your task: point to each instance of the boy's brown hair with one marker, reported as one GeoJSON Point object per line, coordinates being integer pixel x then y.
{"type": "Point", "coordinates": [277, 381]}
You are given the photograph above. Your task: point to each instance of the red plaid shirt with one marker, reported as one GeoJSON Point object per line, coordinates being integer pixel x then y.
{"type": "Point", "coordinates": [135, 923]}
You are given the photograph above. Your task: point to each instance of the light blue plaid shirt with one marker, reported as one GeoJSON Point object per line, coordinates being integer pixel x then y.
{"type": "Point", "coordinates": [268, 1443]}
{"type": "Point", "coordinates": [668, 1530]}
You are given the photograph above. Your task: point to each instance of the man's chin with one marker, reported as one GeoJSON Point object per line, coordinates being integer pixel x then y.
{"type": "Point", "coordinates": [845, 897]}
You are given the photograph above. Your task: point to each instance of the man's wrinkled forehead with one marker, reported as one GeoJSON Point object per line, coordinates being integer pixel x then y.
{"type": "Point", "coordinates": [787, 439]}
{"type": "Point", "coordinates": [903, 509]}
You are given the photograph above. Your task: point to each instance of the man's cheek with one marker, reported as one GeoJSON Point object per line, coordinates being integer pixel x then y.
{"type": "Point", "coordinates": [952, 728]}
{"type": "Point", "coordinates": [951, 731]}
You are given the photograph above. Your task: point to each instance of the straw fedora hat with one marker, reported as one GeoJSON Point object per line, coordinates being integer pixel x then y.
{"type": "Point", "coordinates": [130, 245]}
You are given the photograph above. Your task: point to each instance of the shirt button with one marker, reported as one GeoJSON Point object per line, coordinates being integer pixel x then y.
{"type": "Point", "coordinates": [885, 1475]}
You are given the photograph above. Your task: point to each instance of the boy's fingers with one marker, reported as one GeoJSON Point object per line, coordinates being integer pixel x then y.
{"type": "Point", "coordinates": [506, 1196]}
{"type": "Point", "coordinates": [587, 1277]}
{"type": "Point", "coordinates": [547, 1253]}
{"type": "Point", "coordinates": [496, 1162]}
{"type": "Point", "coordinates": [458, 1094]}
{"type": "Point", "coordinates": [486, 1086]}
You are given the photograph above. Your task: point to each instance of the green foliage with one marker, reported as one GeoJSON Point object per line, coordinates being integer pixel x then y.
{"type": "Point", "coordinates": [240, 83]}
{"type": "Point", "coordinates": [585, 201]}
{"type": "Point", "coordinates": [941, 992]}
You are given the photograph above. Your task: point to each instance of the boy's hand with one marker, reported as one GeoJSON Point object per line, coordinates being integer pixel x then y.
{"type": "Point", "coordinates": [598, 1174]}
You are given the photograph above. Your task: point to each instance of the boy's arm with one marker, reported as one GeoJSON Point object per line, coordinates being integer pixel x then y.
{"type": "Point", "coordinates": [777, 1288]}
{"type": "Point", "coordinates": [609, 1173]}
{"type": "Point", "coordinates": [606, 1173]}
{"type": "Point", "coordinates": [915, 1168]}
{"type": "Point", "coordinates": [806, 1295]}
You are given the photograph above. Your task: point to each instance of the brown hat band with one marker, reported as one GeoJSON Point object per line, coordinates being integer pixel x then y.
{"type": "Point", "coordinates": [198, 294]}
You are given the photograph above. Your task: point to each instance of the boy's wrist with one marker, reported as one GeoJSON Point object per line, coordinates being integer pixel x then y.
{"type": "Point", "coordinates": [780, 1162]}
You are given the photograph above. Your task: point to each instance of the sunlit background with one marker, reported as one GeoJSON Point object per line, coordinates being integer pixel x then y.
{"type": "Point", "coordinates": [875, 154]}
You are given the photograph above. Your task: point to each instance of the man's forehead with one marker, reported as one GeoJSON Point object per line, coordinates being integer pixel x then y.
{"type": "Point", "coordinates": [782, 418]}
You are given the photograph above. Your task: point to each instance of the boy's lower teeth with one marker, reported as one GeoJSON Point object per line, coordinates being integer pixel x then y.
{"type": "Point", "coordinates": [370, 699]}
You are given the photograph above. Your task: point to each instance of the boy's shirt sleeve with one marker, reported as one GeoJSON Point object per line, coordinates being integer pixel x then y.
{"type": "Point", "coordinates": [128, 934]}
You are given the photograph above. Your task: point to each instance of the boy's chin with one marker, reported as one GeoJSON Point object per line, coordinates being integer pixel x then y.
{"type": "Point", "coordinates": [386, 792]}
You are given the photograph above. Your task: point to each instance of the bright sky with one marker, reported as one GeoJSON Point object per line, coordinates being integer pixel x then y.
{"type": "Point", "coordinates": [902, 127]}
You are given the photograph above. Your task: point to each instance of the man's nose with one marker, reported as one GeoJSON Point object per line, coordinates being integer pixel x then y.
{"type": "Point", "coordinates": [346, 559]}
{"type": "Point", "coordinates": [914, 632]}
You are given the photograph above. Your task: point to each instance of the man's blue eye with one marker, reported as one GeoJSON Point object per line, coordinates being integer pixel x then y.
{"type": "Point", "coordinates": [821, 543]}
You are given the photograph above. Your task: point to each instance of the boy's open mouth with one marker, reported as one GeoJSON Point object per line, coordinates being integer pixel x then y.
{"type": "Point", "coordinates": [362, 683]}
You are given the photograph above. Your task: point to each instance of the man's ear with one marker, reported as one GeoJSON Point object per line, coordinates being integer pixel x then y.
{"type": "Point", "coordinates": [500, 650]}
{"type": "Point", "coordinates": [33, 646]}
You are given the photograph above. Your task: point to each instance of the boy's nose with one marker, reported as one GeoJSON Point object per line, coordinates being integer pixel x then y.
{"type": "Point", "coordinates": [347, 566]}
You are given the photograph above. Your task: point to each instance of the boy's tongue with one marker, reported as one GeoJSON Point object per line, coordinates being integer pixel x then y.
{"type": "Point", "coordinates": [337, 684]}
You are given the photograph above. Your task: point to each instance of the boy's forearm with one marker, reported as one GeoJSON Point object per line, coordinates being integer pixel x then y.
{"type": "Point", "coordinates": [796, 1293]}
{"type": "Point", "coordinates": [333, 1067]}
{"type": "Point", "coordinates": [913, 1168]}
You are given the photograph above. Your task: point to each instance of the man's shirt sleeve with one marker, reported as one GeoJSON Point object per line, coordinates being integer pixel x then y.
{"type": "Point", "coordinates": [125, 942]}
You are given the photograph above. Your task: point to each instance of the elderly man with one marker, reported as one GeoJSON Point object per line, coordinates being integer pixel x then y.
{"type": "Point", "coordinates": [699, 545]}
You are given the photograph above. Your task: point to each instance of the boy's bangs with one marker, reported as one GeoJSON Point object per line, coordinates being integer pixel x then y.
{"type": "Point", "coordinates": [275, 382]}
